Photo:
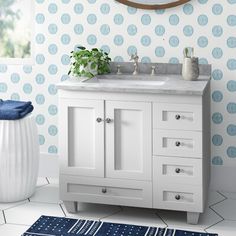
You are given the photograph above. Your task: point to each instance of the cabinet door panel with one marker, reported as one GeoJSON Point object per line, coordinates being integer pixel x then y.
{"type": "Point", "coordinates": [128, 140]}
{"type": "Point", "coordinates": [83, 154]}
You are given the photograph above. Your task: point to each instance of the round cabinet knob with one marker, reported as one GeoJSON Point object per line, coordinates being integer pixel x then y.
{"type": "Point", "coordinates": [177, 117]}
{"type": "Point", "coordinates": [177, 197]}
{"type": "Point", "coordinates": [177, 170]}
{"type": "Point", "coordinates": [108, 120]}
{"type": "Point", "coordinates": [104, 190]}
{"type": "Point", "coordinates": [99, 120]}
{"type": "Point", "coordinates": [177, 143]}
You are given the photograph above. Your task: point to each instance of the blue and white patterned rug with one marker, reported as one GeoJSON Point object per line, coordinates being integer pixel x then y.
{"type": "Point", "coordinates": [58, 226]}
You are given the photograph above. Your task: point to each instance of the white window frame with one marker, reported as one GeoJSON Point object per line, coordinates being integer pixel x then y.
{"type": "Point", "coordinates": [30, 60]}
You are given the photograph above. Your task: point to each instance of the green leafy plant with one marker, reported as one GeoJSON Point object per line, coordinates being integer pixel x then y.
{"type": "Point", "coordinates": [188, 52]}
{"type": "Point", "coordinates": [88, 63]}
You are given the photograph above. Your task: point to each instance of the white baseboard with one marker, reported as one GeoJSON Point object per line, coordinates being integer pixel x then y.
{"type": "Point", "coordinates": [223, 178]}
{"type": "Point", "coordinates": [49, 165]}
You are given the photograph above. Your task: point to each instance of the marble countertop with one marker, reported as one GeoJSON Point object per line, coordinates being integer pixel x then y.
{"type": "Point", "coordinates": [166, 84]}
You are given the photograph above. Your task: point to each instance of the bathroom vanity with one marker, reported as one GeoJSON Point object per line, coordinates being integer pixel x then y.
{"type": "Point", "coordinates": [141, 141]}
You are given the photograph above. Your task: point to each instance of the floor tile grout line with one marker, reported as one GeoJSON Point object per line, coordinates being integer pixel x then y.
{"type": "Point", "coordinates": [114, 213]}
{"type": "Point", "coordinates": [217, 213]}
{"type": "Point", "coordinates": [212, 225]}
{"type": "Point", "coordinates": [22, 203]}
{"type": "Point", "coordinates": [222, 194]}
{"type": "Point", "coordinates": [4, 216]}
{"type": "Point", "coordinates": [17, 224]}
{"type": "Point", "coordinates": [225, 198]}
{"type": "Point", "coordinates": [47, 180]}
{"type": "Point", "coordinates": [41, 186]}
{"type": "Point", "coordinates": [63, 210]}
{"type": "Point", "coordinates": [51, 203]}
{"type": "Point", "coordinates": [161, 219]}
{"type": "Point", "coordinates": [217, 202]}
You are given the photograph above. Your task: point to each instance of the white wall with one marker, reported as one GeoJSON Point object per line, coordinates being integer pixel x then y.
{"type": "Point", "coordinates": [160, 36]}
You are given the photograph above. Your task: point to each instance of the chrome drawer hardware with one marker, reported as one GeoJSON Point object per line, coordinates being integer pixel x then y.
{"type": "Point", "coordinates": [177, 117]}
{"type": "Point", "coordinates": [99, 120]}
{"type": "Point", "coordinates": [104, 190]}
{"type": "Point", "coordinates": [108, 120]}
{"type": "Point", "coordinates": [177, 143]}
{"type": "Point", "coordinates": [177, 197]}
{"type": "Point", "coordinates": [177, 170]}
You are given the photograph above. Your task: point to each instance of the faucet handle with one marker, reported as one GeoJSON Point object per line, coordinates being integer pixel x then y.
{"type": "Point", "coordinates": [118, 70]}
{"type": "Point", "coordinates": [134, 57]}
{"type": "Point", "coordinates": [153, 70]}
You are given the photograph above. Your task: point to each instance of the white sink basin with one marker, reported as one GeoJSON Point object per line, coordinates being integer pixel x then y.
{"type": "Point", "coordinates": [129, 80]}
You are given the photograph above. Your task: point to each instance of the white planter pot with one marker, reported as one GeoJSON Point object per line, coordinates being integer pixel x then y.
{"type": "Point", "coordinates": [19, 159]}
{"type": "Point", "coordinates": [89, 69]}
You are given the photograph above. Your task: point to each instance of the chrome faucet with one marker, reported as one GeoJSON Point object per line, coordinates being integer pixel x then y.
{"type": "Point", "coordinates": [135, 58]}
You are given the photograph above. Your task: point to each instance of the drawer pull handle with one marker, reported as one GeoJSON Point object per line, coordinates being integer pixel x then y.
{"type": "Point", "coordinates": [108, 120]}
{"type": "Point", "coordinates": [177, 170]}
{"type": "Point", "coordinates": [177, 197]}
{"type": "Point", "coordinates": [104, 190]}
{"type": "Point", "coordinates": [99, 120]}
{"type": "Point", "coordinates": [177, 143]}
{"type": "Point", "coordinates": [177, 117]}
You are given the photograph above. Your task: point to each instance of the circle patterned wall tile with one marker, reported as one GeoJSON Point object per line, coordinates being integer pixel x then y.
{"type": "Point", "coordinates": [157, 36]}
{"type": "Point", "coordinates": [217, 140]}
{"type": "Point", "coordinates": [217, 160]}
{"type": "Point", "coordinates": [15, 78]}
{"type": "Point", "coordinates": [231, 152]}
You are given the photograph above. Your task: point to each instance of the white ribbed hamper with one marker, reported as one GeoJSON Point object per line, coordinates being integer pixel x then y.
{"type": "Point", "coordinates": [19, 158]}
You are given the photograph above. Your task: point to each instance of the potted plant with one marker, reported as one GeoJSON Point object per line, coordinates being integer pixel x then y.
{"type": "Point", "coordinates": [89, 63]}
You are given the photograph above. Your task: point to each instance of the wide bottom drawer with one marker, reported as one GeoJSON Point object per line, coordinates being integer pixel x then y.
{"type": "Point", "coordinates": [107, 191]}
{"type": "Point", "coordinates": [178, 197]}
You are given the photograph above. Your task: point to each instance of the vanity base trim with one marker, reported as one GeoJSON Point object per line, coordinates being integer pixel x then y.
{"type": "Point", "coordinates": [192, 218]}
{"type": "Point", "coordinates": [106, 191]}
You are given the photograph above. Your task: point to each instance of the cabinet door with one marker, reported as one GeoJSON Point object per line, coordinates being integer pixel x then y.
{"type": "Point", "coordinates": [128, 140]}
{"type": "Point", "coordinates": [81, 138]}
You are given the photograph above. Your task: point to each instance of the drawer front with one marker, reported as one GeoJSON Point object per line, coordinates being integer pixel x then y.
{"type": "Point", "coordinates": [177, 116]}
{"type": "Point", "coordinates": [106, 191]}
{"type": "Point", "coordinates": [177, 143]}
{"type": "Point", "coordinates": [177, 170]}
{"type": "Point", "coordinates": [178, 197]}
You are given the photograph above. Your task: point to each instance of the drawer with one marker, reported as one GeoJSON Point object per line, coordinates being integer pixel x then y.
{"type": "Point", "coordinates": [106, 191]}
{"type": "Point", "coordinates": [177, 116]}
{"type": "Point", "coordinates": [177, 143]}
{"type": "Point", "coordinates": [177, 170]}
{"type": "Point", "coordinates": [177, 197]}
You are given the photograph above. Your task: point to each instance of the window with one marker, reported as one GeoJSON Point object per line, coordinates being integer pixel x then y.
{"type": "Point", "coordinates": [15, 31]}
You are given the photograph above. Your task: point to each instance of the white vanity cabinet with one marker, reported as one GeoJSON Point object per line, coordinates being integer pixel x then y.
{"type": "Point", "coordinates": [134, 149]}
{"type": "Point", "coordinates": [105, 151]}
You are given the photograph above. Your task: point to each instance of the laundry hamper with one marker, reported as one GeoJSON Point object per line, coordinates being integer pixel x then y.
{"type": "Point", "coordinates": [19, 158]}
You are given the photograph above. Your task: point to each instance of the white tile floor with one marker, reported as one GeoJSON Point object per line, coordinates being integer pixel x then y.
{"type": "Point", "coordinates": [15, 218]}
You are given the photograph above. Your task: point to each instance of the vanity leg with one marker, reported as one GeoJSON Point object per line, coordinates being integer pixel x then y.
{"type": "Point", "coordinates": [70, 206]}
{"type": "Point", "coordinates": [192, 218]}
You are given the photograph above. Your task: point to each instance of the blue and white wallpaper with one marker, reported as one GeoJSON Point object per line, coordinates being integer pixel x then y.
{"type": "Point", "coordinates": [159, 36]}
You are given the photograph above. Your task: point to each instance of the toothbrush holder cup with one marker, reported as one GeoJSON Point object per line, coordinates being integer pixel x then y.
{"type": "Point", "coordinates": [190, 68]}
